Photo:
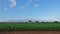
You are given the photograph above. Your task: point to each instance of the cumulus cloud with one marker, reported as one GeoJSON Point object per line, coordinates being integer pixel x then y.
{"type": "Point", "coordinates": [12, 3]}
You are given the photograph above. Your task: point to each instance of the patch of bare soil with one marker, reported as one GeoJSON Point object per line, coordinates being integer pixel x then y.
{"type": "Point", "coordinates": [30, 32]}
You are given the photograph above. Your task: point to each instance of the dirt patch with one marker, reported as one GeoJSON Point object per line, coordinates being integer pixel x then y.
{"type": "Point", "coordinates": [31, 32]}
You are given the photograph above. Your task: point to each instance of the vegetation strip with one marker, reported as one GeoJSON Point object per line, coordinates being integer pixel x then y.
{"type": "Point", "coordinates": [30, 27]}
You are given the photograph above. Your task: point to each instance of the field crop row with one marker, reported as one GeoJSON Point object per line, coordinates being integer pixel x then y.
{"type": "Point", "coordinates": [30, 26]}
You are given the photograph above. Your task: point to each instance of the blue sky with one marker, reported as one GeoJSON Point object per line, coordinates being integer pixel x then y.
{"type": "Point", "coordinates": [39, 9]}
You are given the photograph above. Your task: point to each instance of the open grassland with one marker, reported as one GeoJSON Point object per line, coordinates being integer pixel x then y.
{"type": "Point", "coordinates": [29, 26]}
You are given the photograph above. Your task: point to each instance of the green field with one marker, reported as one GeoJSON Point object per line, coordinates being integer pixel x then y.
{"type": "Point", "coordinates": [29, 26]}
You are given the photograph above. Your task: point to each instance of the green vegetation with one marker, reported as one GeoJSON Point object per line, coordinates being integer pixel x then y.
{"type": "Point", "coordinates": [29, 26]}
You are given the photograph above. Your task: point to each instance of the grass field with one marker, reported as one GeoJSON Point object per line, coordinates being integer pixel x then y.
{"type": "Point", "coordinates": [29, 26]}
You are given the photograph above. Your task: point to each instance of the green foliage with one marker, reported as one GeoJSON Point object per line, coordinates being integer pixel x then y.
{"type": "Point", "coordinates": [29, 26]}
{"type": "Point", "coordinates": [30, 21]}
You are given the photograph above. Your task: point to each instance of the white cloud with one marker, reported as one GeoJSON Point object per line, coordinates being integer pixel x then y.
{"type": "Point", "coordinates": [2, 19]}
{"type": "Point", "coordinates": [23, 7]}
{"type": "Point", "coordinates": [36, 5]}
{"type": "Point", "coordinates": [12, 3]}
{"type": "Point", "coordinates": [5, 9]}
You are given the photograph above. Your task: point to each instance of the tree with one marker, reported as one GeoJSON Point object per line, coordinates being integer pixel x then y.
{"type": "Point", "coordinates": [37, 21]}
{"type": "Point", "coordinates": [26, 22]}
{"type": "Point", "coordinates": [42, 22]}
{"type": "Point", "coordinates": [56, 21]}
{"type": "Point", "coordinates": [30, 21]}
